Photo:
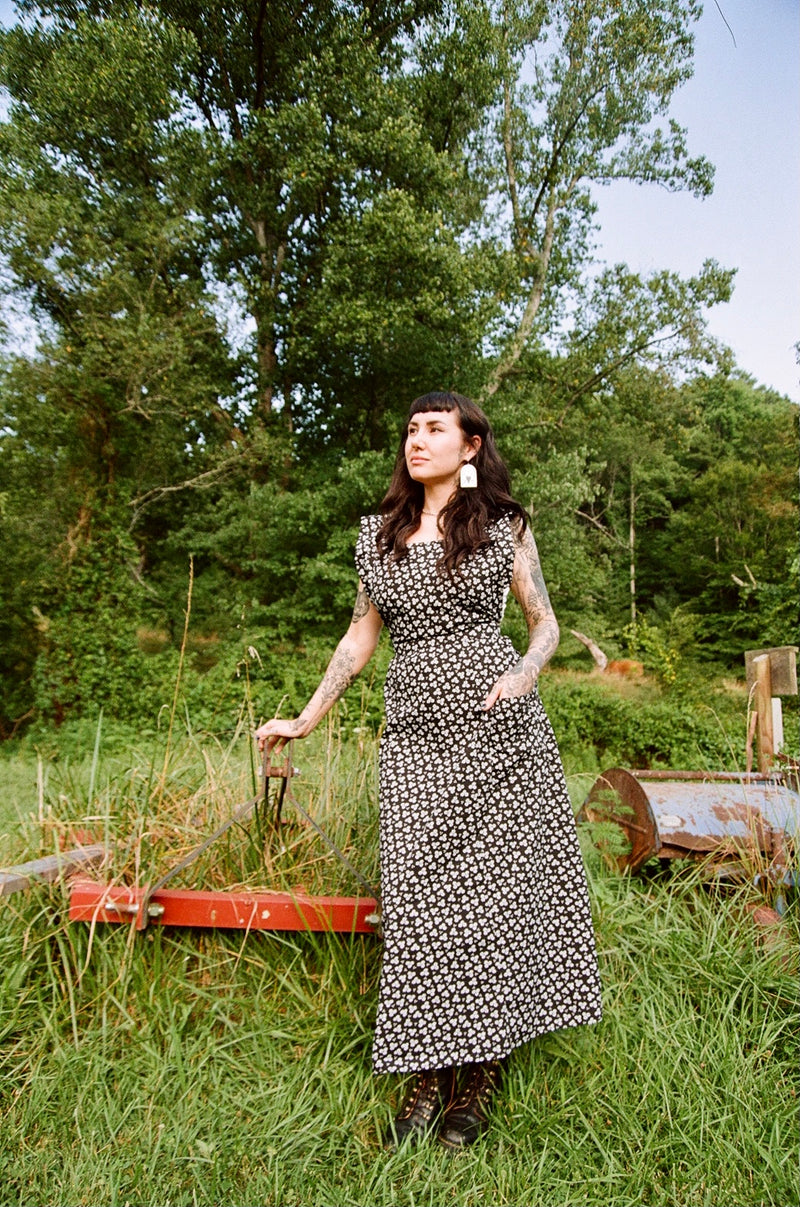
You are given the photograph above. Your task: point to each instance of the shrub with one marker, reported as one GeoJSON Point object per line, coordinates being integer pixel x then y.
{"type": "Point", "coordinates": [637, 732]}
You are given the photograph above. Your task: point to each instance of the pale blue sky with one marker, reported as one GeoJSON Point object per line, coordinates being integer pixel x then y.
{"type": "Point", "coordinates": [741, 110]}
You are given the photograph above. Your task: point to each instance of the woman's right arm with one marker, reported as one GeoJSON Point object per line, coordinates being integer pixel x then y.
{"type": "Point", "coordinates": [351, 656]}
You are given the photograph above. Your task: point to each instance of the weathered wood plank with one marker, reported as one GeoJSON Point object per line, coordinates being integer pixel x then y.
{"type": "Point", "coordinates": [51, 867]}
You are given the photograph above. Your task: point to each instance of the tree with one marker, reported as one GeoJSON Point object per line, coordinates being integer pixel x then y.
{"type": "Point", "coordinates": [639, 475]}
{"type": "Point", "coordinates": [248, 235]}
{"type": "Point", "coordinates": [325, 190]}
{"type": "Point", "coordinates": [126, 388]}
{"type": "Point", "coordinates": [159, 163]}
{"type": "Point", "coordinates": [604, 72]}
{"type": "Point", "coordinates": [731, 541]}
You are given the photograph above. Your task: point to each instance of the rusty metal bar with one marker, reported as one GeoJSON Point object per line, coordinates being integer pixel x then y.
{"type": "Point", "coordinates": [50, 868]}
{"type": "Point", "coordinates": [734, 777]}
{"type": "Point", "coordinates": [243, 910]}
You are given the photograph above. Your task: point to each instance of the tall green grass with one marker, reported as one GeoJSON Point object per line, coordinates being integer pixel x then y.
{"type": "Point", "coordinates": [182, 1067]}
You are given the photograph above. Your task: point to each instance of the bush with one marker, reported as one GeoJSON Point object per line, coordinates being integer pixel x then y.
{"type": "Point", "coordinates": [638, 732]}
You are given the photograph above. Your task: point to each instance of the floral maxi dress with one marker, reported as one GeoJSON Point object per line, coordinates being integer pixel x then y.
{"type": "Point", "coordinates": [488, 937]}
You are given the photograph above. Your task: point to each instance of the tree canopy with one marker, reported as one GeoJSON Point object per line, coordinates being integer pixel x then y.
{"type": "Point", "coordinates": [248, 235]}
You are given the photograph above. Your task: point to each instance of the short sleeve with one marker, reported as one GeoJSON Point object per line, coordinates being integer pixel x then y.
{"type": "Point", "coordinates": [366, 554]}
{"type": "Point", "coordinates": [511, 538]}
{"type": "Point", "coordinates": [504, 537]}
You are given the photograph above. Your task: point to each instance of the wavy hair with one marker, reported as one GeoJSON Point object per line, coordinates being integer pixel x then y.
{"type": "Point", "coordinates": [466, 518]}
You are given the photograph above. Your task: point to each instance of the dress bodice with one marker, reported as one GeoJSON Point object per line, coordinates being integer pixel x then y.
{"type": "Point", "coordinates": [417, 602]}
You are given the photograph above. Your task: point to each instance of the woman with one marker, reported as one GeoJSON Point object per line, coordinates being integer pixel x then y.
{"type": "Point", "coordinates": [488, 939]}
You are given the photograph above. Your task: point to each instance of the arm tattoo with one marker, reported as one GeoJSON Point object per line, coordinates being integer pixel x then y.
{"type": "Point", "coordinates": [338, 677]}
{"type": "Point", "coordinates": [538, 604]}
{"type": "Point", "coordinates": [542, 624]}
{"type": "Point", "coordinates": [362, 605]}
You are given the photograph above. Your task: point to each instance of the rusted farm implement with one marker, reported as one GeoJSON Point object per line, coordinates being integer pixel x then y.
{"type": "Point", "coordinates": [745, 823]}
{"type": "Point", "coordinates": [156, 904]}
{"type": "Point", "coordinates": [239, 910]}
{"type": "Point", "coordinates": [741, 823]}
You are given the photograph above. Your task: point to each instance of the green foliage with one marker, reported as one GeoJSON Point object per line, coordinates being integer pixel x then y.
{"type": "Point", "coordinates": [247, 243]}
{"type": "Point", "coordinates": [605, 75]}
{"type": "Point", "coordinates": [647, 642]}
{"type": "Point", "coordinates": [216, 1066]}
{"type": "Point", "coordinates": [632, 730]}
{"type": "Point", "coordinates": [732, 542]}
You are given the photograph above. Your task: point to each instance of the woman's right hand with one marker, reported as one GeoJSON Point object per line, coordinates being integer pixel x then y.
{"type": "Point", "coordinates": [273, 735]}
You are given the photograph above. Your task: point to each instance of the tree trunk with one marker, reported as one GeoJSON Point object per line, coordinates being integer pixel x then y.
{"type": "Point", "coordinates": [600, 659]}
{"type": "Point", "coordinates": [514, 349]}
{"type": "Point", "coordinates": [271, 255]}
{"type": "Point", "coordinates": [632, 549]}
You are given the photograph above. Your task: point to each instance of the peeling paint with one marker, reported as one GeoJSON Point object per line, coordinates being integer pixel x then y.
{"type": "Point", "coordinates": [678, 814]}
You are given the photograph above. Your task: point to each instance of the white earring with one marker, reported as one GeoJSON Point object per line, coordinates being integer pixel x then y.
{"type": "Point", "coordinates": [469, 476]}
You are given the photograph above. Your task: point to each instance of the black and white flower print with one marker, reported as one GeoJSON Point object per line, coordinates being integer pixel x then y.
{"type": "Point", "coordinates": [488, 937]}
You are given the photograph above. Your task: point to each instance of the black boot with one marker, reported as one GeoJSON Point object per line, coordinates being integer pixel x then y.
{"type": "Point", "coordinates": [429, 1094]}
{"type": "Point", "coordinates": [468, 1115]}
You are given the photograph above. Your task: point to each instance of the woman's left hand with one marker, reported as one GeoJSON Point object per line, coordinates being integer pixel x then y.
{"type": "Point", "coordinates": [518, 680]}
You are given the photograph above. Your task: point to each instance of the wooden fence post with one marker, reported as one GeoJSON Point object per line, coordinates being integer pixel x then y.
{"type": "Point", "coordinates": [764, 732]}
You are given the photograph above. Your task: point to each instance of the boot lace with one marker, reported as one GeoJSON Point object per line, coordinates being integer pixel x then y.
{"type": "Point", "coordinates": [480, 1084]}
{"type": "Point", "coordinates": [423, 1094]}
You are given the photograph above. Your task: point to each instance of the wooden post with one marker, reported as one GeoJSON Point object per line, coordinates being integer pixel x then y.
{"type": "Point", "coordinates": [764, 734]}
{"type": "Point", "coordinates": [777, 724]}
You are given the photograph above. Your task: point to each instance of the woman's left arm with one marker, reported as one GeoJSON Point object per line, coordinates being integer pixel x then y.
{"type": "Point", "coordinates": [527, 587]}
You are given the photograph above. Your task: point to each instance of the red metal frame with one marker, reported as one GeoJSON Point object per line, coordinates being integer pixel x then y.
{"type": "Point", "coordinates": [236, 910]}
{"type": "Point", "coordinates": [93, 902]}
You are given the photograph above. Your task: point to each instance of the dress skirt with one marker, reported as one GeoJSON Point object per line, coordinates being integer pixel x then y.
{"type": "Point", "coordinates": [488, 939]}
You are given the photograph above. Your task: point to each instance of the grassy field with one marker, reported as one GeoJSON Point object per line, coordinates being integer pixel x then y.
{"type": "Point", "coordinates": [182, 1067]}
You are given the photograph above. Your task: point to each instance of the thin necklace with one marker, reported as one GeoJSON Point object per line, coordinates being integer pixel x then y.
{"type": "Point", "coordinates": [435, 514]}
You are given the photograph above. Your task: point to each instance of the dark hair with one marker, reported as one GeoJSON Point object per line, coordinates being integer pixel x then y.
{"type": "Point", "coordinates": [469, 513]}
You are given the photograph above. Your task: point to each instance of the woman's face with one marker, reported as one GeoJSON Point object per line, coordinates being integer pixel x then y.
{"type": "Point", "coordinates": [436, 447]}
